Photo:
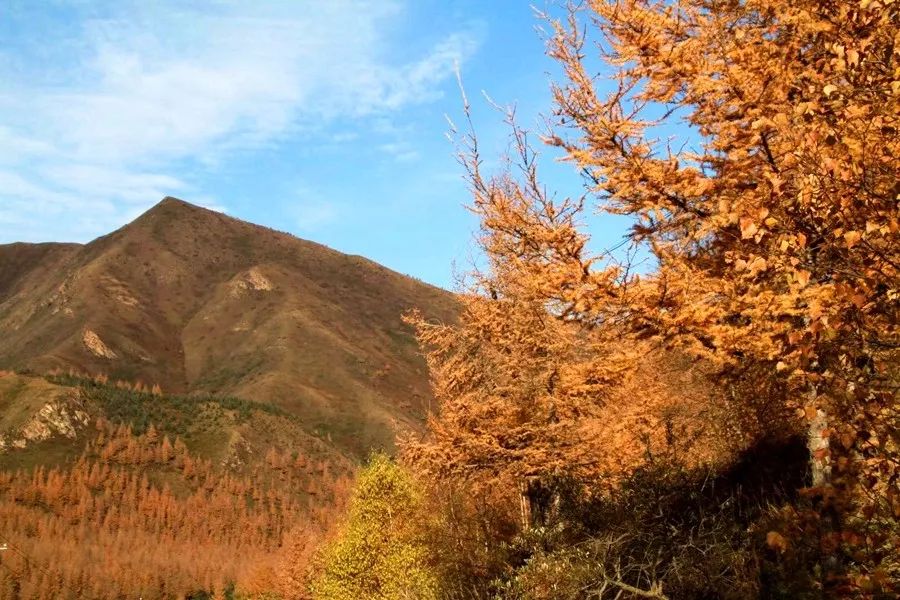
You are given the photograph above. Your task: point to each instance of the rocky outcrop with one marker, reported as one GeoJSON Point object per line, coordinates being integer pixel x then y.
{"type": "Point", "coordinates": [62, 417]}
{"type": "Point", "coordinates": [254, 280]}
{"type": "Point", "coordinates": [96, 346]}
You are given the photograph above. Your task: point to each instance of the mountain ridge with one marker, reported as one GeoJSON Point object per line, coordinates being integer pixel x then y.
{"type": "Point", "coordinates": [200, 302]}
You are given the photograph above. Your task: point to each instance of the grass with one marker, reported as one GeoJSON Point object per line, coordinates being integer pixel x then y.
{"type": "Point", "coordinates": [218, 378]}
{"type": "Point", "coordinates": [20, 399]}
{"type": "Point", "coordinates": [53, 452]}
{"type": "Point", "coordinates": [359, 437]}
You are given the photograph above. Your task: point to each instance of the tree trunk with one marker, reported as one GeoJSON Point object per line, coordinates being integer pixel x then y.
{"type": "Point", "coordinates": [830, 518]}
{"type": "Point", "coordinates": [819, 449]}
{"type": "Point", "coordinates": [525, 504]}
{"type": "Point", "coordinates": [536, 503]}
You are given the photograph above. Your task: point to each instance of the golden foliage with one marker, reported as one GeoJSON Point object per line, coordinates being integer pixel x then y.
{"type": "Point", "coordinates": [143, 515]}
{"type": "Point", "coordinates": [772, 214]}
{"type": "Point", "coordinates": [378, 553]}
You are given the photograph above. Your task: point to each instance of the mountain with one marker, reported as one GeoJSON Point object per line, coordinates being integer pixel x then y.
{"type": "Point", "coordinates": [200, 303]}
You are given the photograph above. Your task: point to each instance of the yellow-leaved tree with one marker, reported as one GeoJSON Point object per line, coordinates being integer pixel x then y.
{"type": "Point", "coordinates": [378, 553]}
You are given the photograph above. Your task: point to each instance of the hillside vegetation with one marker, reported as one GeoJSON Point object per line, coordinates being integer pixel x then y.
{"type": "Point", "coordinates": [219, 482]}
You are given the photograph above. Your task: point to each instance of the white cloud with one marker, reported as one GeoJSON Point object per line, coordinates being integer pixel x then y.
{"type": "Point", "coordinates": [152, 87]}
{"type": "Point", "coordinates": [128, 186]}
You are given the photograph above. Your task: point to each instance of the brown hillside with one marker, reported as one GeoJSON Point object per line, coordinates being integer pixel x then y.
{"type": "Point", "coordinates": [200, 302]}
{"type": "Point", "coordinates": [25, 264]}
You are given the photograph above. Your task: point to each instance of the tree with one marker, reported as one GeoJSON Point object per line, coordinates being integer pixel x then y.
{"type": "Point", "coordinates": [775, 238]}
{"type": "Point", "coordinates": [515, 389]}
{"type": "Point", "coordinates": [377, 554]}
{"type": "Point", "coordinates": [773, 223]}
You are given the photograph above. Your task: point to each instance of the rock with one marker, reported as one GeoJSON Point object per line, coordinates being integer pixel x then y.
{"type": "Point", "coordinates": [60, 417]}
{"type": "Point", "coordinates": [253, 280]}
{"type": "Point", "coordinates": [96, 346]}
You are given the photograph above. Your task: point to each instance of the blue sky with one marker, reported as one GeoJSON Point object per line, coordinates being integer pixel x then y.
{"type": "Point", "coordinates": [323, 118]}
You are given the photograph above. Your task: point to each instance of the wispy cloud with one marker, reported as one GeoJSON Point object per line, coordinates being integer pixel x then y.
{"type": "Point", "coordinates": [146, 92]}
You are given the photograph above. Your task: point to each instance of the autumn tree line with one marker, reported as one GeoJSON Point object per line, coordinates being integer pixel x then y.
{"type": "Point", "coordinates": [141, 515]}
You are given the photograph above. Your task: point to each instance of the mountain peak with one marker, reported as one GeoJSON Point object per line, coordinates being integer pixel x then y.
{"type": "Point", "coordinates": [170, 203]}
{"type": "Point", "coordinates": [204, 303]}
{"type": "Point", "coordinates": [168, 200]}
{"type": "Point", "coordinates": [171, 209]}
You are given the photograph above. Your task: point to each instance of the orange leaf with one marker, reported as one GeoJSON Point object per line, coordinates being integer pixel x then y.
{"type": "Point", "coordinates": [815, 309]}
{"type": "Point", "coordinates": [758, 265]}
{"type": "Point", "coordinates": [852, 238]}
{"type": "Point", "coordinates": [748, 228]}
{"type": "Point", "coordinates": [776, 541]}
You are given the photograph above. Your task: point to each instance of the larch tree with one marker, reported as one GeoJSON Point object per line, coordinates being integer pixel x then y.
{"type": "Point", "coordinates": [516, 390]}
{"type": "Point", "coordinates": [378, 553]}
{"type": "Point", "coordinates": [772, 215]}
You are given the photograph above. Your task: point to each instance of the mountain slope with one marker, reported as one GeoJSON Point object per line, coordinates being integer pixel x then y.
{"type": "Point", "coordinates": [103, 506]}
{"type": "Point", "coordinates": [200, 302]}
